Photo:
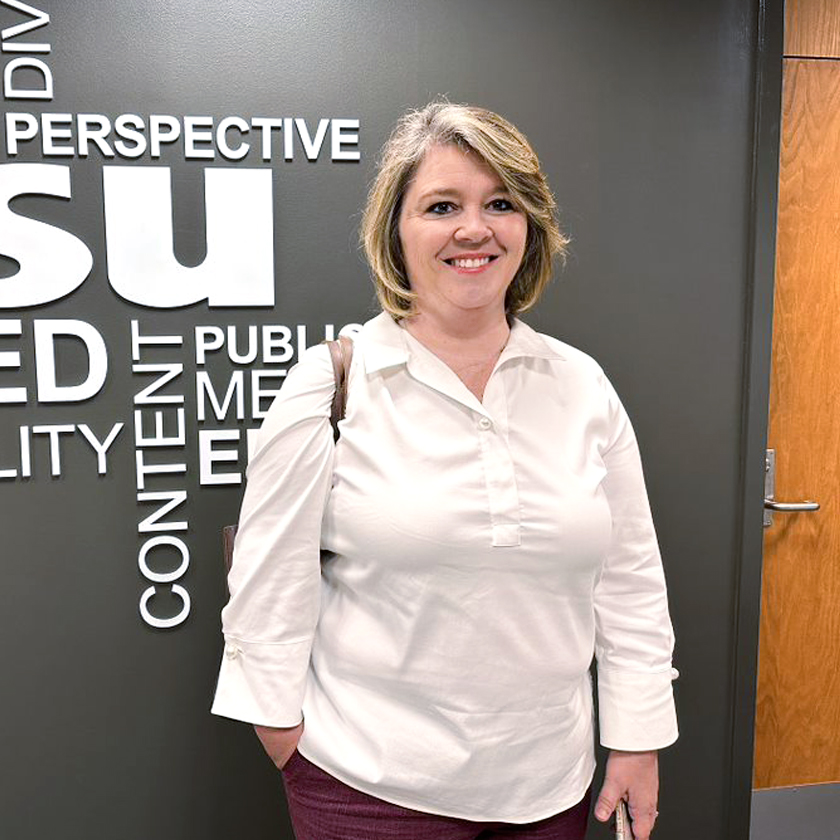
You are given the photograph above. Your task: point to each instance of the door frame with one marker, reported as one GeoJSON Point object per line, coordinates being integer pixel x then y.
{"type": "Point", "coordinates": [761, 256]}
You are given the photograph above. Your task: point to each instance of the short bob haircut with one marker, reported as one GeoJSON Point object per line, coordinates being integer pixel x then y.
{"type": "Point", "coordinates": [506, 151]}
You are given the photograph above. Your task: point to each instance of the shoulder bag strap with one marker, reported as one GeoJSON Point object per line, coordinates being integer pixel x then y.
{"type": "Point", "coordinates": [341, 352]}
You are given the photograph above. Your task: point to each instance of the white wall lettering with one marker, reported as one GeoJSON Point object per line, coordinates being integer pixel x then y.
{"type": "Point", "coordinates": [12, 92]}
{"type": "Point", "coordinates": [49, 390]}
{"type": "Point", "coordinates": [52, 261]}
{"type": "Point", "coordinates": [209, 454]}
{"type": "Point", "coordinates": [11, 359]}
{"type": "Point", "coordinates": [239, 267]}
{"type": "Point", "coordinates": [165, 623]}
{"type": "Point", "coordinates": [100, 447]}
{"type": "Point", "coordinates": [39, 19]}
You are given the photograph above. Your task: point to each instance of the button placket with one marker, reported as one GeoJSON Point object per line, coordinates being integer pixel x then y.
{"type": "Point", "coordinates": [500, 478]}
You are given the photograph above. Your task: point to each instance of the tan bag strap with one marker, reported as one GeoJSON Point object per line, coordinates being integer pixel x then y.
{"type": "Point", "coordinates": [341, 353]}
{"type": "Point", "coordinates": [228, 537]}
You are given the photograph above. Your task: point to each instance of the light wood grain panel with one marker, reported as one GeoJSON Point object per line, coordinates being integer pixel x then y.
{"type": "Point", "coordinates": [798, 706]}
{"type": "Point", "coordinates": [812, 28]}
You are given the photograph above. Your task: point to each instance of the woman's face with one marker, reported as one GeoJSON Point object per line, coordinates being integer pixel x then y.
{"type": "Point", "coordinates": [462, 237]}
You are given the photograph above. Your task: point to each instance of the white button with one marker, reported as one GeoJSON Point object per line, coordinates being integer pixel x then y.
{"type": "Point", "coordinates": [231, 651]}
{"type": "Point", "coordinates": [674, 674]}
{"type": "Point", "coordinates": [484, 423]}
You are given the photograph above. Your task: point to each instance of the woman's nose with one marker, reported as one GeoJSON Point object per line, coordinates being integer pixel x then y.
{"type": "Point", "coordinates": [473, 227]}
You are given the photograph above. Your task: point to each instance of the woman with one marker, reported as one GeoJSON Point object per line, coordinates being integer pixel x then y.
{"type": "Point", "coordinates": [486, 511]}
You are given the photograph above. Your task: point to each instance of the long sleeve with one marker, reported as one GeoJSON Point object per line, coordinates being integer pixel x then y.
{"type": "Point", "coordinates": [634, 639]}
{"type": "Point", "coordinates": [274, 582]}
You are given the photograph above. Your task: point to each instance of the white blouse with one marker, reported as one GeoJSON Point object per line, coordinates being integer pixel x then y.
{"type": "Point", "coordinates": [482, 553]}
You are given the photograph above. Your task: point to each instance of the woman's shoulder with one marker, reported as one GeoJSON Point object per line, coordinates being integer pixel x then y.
{"type": "Point", "coordinates": [307, 390]}
{"type": "Point", "coordinates": [314, 366]}
{"type": "Point", "coordinates": [573, 358]}
{"type": "Point", "coordinates": [580, 373]}
{"type": "Point", "coordinates": [572, 354]}
{"type": "Point", "coordinates": [585, 379]}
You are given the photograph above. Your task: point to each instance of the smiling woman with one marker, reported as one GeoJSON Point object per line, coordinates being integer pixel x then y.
{"type": "Point", "coordinates": [488, 528]}
{"type": "Point", "coordinates": [503, 153]}
{"type": "Point", "coordinates": [463, 239]}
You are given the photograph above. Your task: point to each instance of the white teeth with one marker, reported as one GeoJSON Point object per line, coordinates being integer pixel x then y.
{"type": "Point", "coordinates": [471, 263]}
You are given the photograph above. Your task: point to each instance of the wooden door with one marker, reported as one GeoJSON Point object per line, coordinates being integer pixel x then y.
{"type": "Point", "coordinates": [798, 702]}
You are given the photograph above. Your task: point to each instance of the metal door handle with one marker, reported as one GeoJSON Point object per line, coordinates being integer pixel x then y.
{"type": "Point", "coordinates": [790, 507]}
{"type": "Point", "coordinates": [771, 506]}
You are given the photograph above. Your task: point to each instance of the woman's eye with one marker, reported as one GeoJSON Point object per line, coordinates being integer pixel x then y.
{"type": "Point", "coordinates": [440, 208]}
{"type": "Point", "coordinates": [501, 205]}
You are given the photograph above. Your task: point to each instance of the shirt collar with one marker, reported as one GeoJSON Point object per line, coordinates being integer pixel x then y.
{"type": "Point", "coordinates": [525, 341]}
{"type": "Point", "coordinates": [383, 344]}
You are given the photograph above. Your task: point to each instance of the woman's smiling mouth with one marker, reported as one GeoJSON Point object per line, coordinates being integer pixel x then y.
{"type": "Point", "coordinates": [470, 262]}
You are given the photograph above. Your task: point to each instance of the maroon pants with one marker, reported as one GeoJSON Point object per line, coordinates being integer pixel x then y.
{"type": "Point", "coordinates": [323, 808]}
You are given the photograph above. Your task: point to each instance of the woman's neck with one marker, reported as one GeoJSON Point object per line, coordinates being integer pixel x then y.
{"type": "Point", "coordinates": [470, 347]}
{"type": "Point", "coordinates": [468, 333]}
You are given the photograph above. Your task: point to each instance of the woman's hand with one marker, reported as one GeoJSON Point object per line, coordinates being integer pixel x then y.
{"type": "Point", "coordinates": [279, 744]}
{"type": "Point", "coordinates": [633, 776]}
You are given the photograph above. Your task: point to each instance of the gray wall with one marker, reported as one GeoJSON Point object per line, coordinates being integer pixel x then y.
{"type": "Point", "coordinates": [645, 117]}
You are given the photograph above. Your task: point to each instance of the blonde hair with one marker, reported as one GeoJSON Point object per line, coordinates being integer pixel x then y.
{"type": "Point", "coordinates": [506, 151]}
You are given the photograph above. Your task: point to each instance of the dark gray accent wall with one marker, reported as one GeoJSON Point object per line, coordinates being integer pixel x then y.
{"type": "Point", "coordinates": [657, 124]}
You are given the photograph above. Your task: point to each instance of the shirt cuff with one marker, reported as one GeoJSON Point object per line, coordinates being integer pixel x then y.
{"type": "Point", "coordinates": [262, 683]}
{"type": "Point", "coordinates": [636, 709]}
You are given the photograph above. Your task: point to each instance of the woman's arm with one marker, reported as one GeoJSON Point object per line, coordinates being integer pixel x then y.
{"type": "Point", "coordinates": [274, 583]}
{"type": "Point", "coordinates": [279, 744]}
{"type": "Point", "coordinates": [634, 640]}
{"type": "Point", "coordinates": [633, 636]}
